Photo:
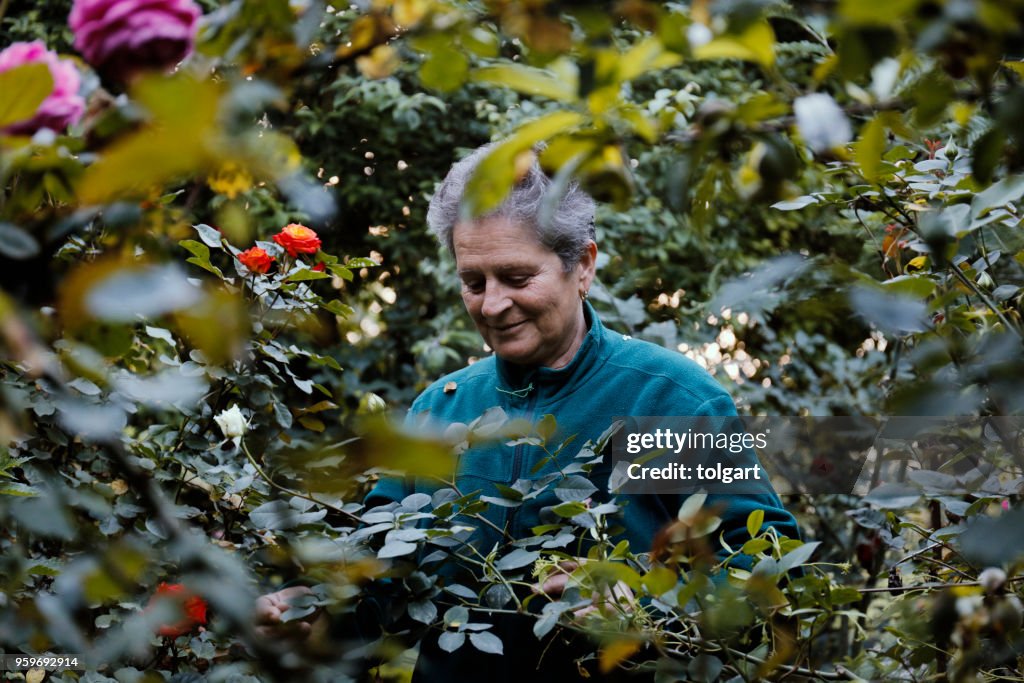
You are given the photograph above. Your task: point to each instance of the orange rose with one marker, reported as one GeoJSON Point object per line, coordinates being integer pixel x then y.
{"type": "Point", "coordinates": [256, 260]}
{"type": "Point", "coordinates": [298, 239]}
{"type": "Point", "coordinates": [193, 609]}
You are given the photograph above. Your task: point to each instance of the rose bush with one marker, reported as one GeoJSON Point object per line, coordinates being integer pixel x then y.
{"type": "Point", "coordinates": [124, 37]}
{"type": "Point", "coordinates": [63, 106]}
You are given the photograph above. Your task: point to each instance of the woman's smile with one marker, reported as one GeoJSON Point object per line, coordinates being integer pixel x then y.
{"type": "Point", "coordinates": [524, 303]}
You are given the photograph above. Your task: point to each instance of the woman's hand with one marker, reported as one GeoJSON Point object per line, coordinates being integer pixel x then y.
{"type": "Point", "coordinates": [272, 606]}
{"type": "Point", "coordinates": [556, 583]}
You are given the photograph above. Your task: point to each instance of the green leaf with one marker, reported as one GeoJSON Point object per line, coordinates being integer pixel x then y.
{"type": "Point", "coordinates": [495, 174]}
{"type": "Point", "coordinates": [456, 616]}
{"type": "Point", "coordinates": [547, 426]}
{"type": "Point", "coordinates": [660, 580]}
{"type": "Point", "coordinates": [1002, 193]}
{"type": "Point", "coordinates": [754, 521]}
{"type": "Point", "coordinates": [396, 549]}
{"type": "Point", "coordinates": [209, 235]}
{"type": "Point", "coordinates": [450, 641]}
{"type": "Point", "coordinates": [797, 557]}
{"type": "Point", "coordinates": [197, 249]}
{"type": "Point", "coordinates": [893, 496]}
{"type": "Point", "coordinates": [423, 611]}
{"type": "Point", "coordinates": [517, 559]}
{"type": "Point", "coordinates": [869, 148]}
{"type": "Point", "coordinates": [574, 488]}
{"type": "Point", "coordinates": [487, 642]}
{"type": "Point", "coordinates": [15, 243]}
{"type": "Point", "coordinates": [22, 90]}
{"type": "Point", "coordinates": [794, 204]}
{"type": "Point", "coordinates": [304, 274]}
{"type": "Point", "coordinates": [755, 546]}
{"type": "Point", "coordinates": [569, 509]}
{"type": "Point", "coordinates": [528, 80]}
{"type": "Point", "coordinates": [445, 69]}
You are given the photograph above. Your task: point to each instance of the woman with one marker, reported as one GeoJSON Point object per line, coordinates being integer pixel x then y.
{"type": "Point", "coordinates": [525, 284]}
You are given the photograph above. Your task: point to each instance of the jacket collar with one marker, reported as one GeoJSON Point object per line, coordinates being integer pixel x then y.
{"type": "Point", "coordinates": [514, 381]}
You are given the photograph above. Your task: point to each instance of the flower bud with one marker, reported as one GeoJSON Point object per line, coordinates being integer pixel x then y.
{"type": "Point", "coordinates": [371, 404]}
{"type": "Point", "coordinates": [231, 422]}
{"type": "Point", "coordinates": [992, 580]}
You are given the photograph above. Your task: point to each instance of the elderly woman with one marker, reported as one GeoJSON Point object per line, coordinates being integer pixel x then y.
{"type": "Point", "coordinates": [525, 283]}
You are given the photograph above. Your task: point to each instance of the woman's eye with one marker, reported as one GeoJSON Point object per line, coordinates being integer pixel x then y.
{"type": "Point", "coordinates": [474, 286]}
{"type": "Point", "coordinates": [518, 280]}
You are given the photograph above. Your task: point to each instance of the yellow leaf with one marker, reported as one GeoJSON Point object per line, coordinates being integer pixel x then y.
{"type": "Point", "coordinates": [495, 175]}
{"type": "Point", "coordinates": [35, 675]}
{"type": "Point", "coordinates": [870, 147]}
{"type": "Point", "coordinates": [22, 90]}
{"type": "Point", "coordinates": [408, 13]}
{"type": "Point", "coordinates": [756, 44]}
{"type": "Point", "coordinates": [647, 55]}
{"type": "Point", "coordinates": [180, 141]}
{"type": "Point", "coordinates": [380, 63]}
{"type": "Point", "coordinates": [530, 81]}
{"type": "Point", "coordinates": [917, 263]}
{"type": "Point", "coordinates": [616, 652]}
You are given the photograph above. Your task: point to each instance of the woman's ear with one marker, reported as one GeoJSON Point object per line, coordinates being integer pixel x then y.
{"type": "Point", "coordinates": [588, 266]}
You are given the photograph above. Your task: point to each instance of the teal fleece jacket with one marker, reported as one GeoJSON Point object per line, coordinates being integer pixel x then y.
{"type": "Point", "coordinates": [611, 375]}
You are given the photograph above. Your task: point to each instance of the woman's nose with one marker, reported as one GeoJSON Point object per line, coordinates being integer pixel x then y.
{"type": "Point", "coordinates": [495, 301]}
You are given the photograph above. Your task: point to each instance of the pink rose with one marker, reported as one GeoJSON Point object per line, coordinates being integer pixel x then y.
{"type": "Point", "coordinates": [123, 37]}
{"type": "Point", "coordinates": [63, 106]}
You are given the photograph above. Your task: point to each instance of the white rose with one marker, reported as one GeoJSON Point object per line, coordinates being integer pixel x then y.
{"type": "Point", "coordinates": [231, 422]}
{"type": "Point", "coordinates": [822, 124]}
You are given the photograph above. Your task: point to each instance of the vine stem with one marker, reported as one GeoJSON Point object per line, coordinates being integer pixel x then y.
{"type": "Point", "coordinates": [299, 494]}
{"type": "Point", "coordinates": [967, 282]}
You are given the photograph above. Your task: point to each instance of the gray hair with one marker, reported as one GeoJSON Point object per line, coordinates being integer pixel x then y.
{"type": "Point", "coordinates": [566, 232]}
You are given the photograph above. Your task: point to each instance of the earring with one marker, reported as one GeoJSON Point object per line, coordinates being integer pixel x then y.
{"type": "Point", "coordinates": [584, 294]}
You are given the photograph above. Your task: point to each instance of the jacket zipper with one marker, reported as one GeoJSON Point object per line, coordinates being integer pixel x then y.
{"type": "Point", "coordinates": [517, 464]}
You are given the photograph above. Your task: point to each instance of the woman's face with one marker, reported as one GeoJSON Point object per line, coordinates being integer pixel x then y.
{"type": "Point", "coordinates": [526, 307]}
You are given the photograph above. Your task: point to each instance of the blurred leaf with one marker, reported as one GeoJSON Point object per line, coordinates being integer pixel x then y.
{"type": "Point", "coordinates": [794, 204]}
{"type": "Point", "coordinates": [15, 242]}
{"type": "Point", "coordinates": [893, 496]}
{"type": "Point", "coordinates": [755, 44]}
{"type": "Point", "coordinates": [995, 542]}
{"type": "Point", "coordinates": [527, 80]}
{"type": "Point", "coordinates": [22, 89]}
{"type": "Point", "coordinates": [129, 294]}
{"type": "Point", "coordinates": [616, 652]}
{"type": "Point", "coordinates": [891, 313]}
{"type": "Point", "coordinates": [495, 175]}
{"type": "Point", "coordinates": [180, 140]}
{"type": "Point", "coordinates": [277, 515]}
{"type": "Point", "coordinates": [870, 147]}
{"type": "Point", "coordinates": [1005, 191]}
{"type": "Point", "coordinates": [445, 69]}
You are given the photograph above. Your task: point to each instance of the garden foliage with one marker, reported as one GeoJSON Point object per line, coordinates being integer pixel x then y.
{"type": "Point", "coordinates": [216, 282]}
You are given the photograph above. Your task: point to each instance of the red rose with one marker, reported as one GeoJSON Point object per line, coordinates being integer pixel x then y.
{"type": "Point", "coordinates": [256, 260]}
{"type": "Point", "coordinates": [193, 609]}
{"type": "Point", "coordinates": [298, 239]}
{"type": "Point", "coordinates": [319, 268]}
